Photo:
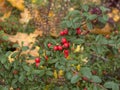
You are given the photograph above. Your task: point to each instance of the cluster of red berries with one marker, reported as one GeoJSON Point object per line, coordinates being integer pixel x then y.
{"type": "Point", "coordinates": [64, 46]}
{"type": "Point", "coordinates": [37, 61]}
{"type": "Point", "coordinates": [65, 32]}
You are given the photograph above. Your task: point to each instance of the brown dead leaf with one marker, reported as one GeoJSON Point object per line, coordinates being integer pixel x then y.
{"type": "Point", "coordinates": [54, 33]}
{"type": "Point", "coordinates": [6, 15]}
{"type": "Point", "coordinates": [5, 10]}
{"type": "Point", "coordinates": [104, 31]}
{"type": "Point", "coordinates": [2, 6]}
{"type": "Point", "coordinates": [25, 16]}
{"type": "Point", "coordinates": [23, 37]}
{"type": "Point", "coordinates": [30, 61]}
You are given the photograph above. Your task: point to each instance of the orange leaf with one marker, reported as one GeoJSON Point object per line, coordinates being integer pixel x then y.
{"type": "Point", "coordinates": [104, 31]}
{"type": "Point", "coordinates": [19, 4]}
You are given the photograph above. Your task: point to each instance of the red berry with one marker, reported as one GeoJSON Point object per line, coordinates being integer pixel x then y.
{"type": "Point", "coordinates": [37, 60]}
{"type": "Point", "coordinates": [107, 36]}
{"type": "Point", "coordinates": [116, 32]}
{"type": "Point", "coordinates": [63, 40]}
{"type": "Point", "coordinates": [46, 57]}
{"type": "Point", "coordinates": [78, 31]}
{"type": "Point", "coordinates": [65, 31]}
{"type": "Point", "coordinates": [55, 48]}
{"type": "Point", "coordinates": [66, 53]}
{"type": "Point", "coordinates": [37, 64]}
{"type": "Point", "coordinates": [15, 72]}
{"type": "Point", "coordinates": [85, 89]}
{"type": "Point", "coordinates": [49, 44]}
{"type": "Point", "coordinates": [61, 33]}
{"type": "Point", "coordinates": [104, 72]}
{"type": "Point", "coordinates": [60, 48]}
{"type": "Point", "coordinates": [94, 72]}
{"type": "Point", "coordinates": [85, 78]}
{"type": "Point", "coordinates": [18, 89]}
{"type": "Point", "coordinates": [66, 45]}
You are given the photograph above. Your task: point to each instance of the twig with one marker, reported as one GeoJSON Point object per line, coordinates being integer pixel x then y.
{"type": "Point", "coordinates": [98, 56]}
{"type": "Point", "coordinates": [47, 20]}
{"type": "Point", "coordinates": [111, 45]}
{"type": "Point", "coordinates": [100, 86]}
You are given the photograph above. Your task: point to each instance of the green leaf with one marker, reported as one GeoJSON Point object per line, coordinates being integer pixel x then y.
{"type": "Point", "coordinates": [50, 73]}
{"type": "Point", "coordinates": [24, 48]}
{"type": "Point", "coordinates": [105, 17]}
{"type": "Point", "coordinates": [5, 37]}
{"type": "Point", "coordinates": [89, 26]}
{"type": "Point", "coordinates": [111, 85]}
{"type": "Point", "coordinates": [15, 45]}
{"type": "Point", "coordinates": [14, 82]}
{"type": "Point", "coordinates": [3, 59]}
{"type": "Point", "coordinates": [3, 88]}
{"type": "Point", "coordinates": [75, 79]}
{"type": "Point", "coordinates": [95, 87]}
{"type": "Point", "coordinates": [14, 54]}
{"type": "Point", "coordinates": [21, 78]}
{"type": "Point", "coordinates": [68, 75]}
{"type": "Point", "coordinates": [39, 72]}
{"type": "Point", "coordinates": [101, 19]}
{"type": "Point", "coordinates": [26, 68]}
{"type": "Point", "coordinates": [65, 88]}
{"type": "Point", "coordinates": [85, 7]}
{"type": "Point", "coordinates": [115, 87]}
{"type": "Point", "coordinates": [69, 24]}
{"type": "Point", "coordinates": [52, 61]}
{"type": "Point", "coordinates": [86, 72]}
{"type": "Point", "coordinates": [104, 9]}
{"type": "Point", "coordinates": [92, 17]}
{"type": "Point", "coordinates": [78, 41]}
{"type": "Point", "coordinates": [96, 79]}
{"type": "Point", "coordinates": [48, 53]}
{"type": "Point", "coordinates": [73, 62]}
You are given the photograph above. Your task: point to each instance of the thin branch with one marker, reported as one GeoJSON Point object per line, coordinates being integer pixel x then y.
{"type": "Point", "coordinates": [100, 86]}
{"type": "Point", "coordinates": [100, 57]}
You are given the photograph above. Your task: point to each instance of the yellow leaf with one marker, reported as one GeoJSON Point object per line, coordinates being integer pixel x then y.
{"type": "Point", "coordinates": [6, 15]}
{"type": "Point", "coordinates": [78, 67]}
{"type": "Point", "coordinates": [25, 16]}
{"type": "Point", "coordinates": [33, 1]}
{"type": "Point", "coordinates": [42, 67]}
{"type": "Point", "coordinates": [10, 59]}
{"type": "Point", "coordinates": [78, 49]}
{"type": "Point", "coordinates": [55, 74]}
{"type": "Point", "coordinates": [115, 11]}
{"type": "Point", "coordinates": [61, 73]}
{"type": "Point", "coordinates": [51, 14]}
{"type": "Point", "coordinates": [116, 18]}
{"type": "Point", "coordinates": [19, 4]}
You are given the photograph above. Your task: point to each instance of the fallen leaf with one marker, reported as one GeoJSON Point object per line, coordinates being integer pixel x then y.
{"type": "Point", "coordinates": [6, 15]}
{"type": "Point", "coordinates": [54, 33]}
{"type": "Point", "coordinates": [104, 31]}
{"type": "Point", "coordinates": [28, 40]}
{"type": "Point", "coordinates": [5, 10]}
{"type": "Point", "coordinates": [19, 4]}
{"type": "Point", "coordinates": [25, 16]}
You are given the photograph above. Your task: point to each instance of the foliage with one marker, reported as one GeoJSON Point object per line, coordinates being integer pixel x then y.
{"type": "Point", "coordinates": [85, 54]}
